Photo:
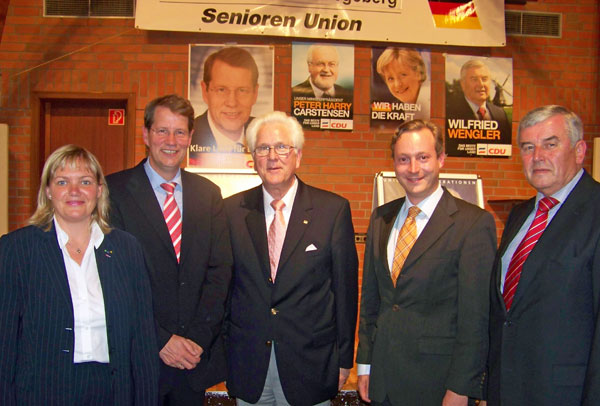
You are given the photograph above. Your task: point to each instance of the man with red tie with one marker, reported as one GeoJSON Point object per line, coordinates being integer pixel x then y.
{"type": "Point", "coordinates": [179, 220]}
{"type": "Point", "coordinates": [474, 102]}
{"type": "Point", "coordinates": [545, 290]}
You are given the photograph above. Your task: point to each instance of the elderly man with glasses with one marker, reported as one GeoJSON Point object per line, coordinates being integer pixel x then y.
{"type": "Point", "coordinates": [293, 299]}
{"type": "Point", "coordinates": [323, 63]}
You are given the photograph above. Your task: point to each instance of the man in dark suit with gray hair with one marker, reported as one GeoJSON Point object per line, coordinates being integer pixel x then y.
{"type": "Point", "coordinates": [293, 300]}
{"type": "Point", "coordinates": [545, 290]}
{"type": "Point", "coordinates": [473, 103]}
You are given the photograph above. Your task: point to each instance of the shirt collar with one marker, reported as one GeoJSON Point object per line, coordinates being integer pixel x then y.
{"type": "Point", "coordinates": [288, 198]}
{"type": "Point", "coordinates": [318, 92]}
{"type": "Point", "coordinates": [97, 236]}
{"type": "Point", "coordinates": [224, 143]}
{"type": "Point", "coordinates": [474, 106]}
{"type": "Point", "coordinates": [564, 192]}
{"type": "Point", "coordinates": [156, 180]}
{"type": "Point", "coordinates": [426, 205]}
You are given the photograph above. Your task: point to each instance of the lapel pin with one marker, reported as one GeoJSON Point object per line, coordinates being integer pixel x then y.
{"type": "Point", "coordinates": [304, 221]}
{"type": "Point", "coordinates": [108, 253]}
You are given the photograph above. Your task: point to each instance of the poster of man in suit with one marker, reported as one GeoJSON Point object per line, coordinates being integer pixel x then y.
{"type": "Point", "coordinates": [479, 100]}
{"type": "Point", "coordinates": [229, 86]}
{"type": "Point", "coordinates": [323, 86]}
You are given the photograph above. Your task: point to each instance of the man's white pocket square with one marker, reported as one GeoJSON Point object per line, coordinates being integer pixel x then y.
{"type": "Point", "coordinates": [311, 247]}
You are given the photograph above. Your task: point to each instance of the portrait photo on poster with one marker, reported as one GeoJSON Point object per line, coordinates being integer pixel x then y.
{"type": "Point", "coordinates": [229, 85]}
{"type": "Point", "coordinates": [323, 86]}
{"type": "Point", "coordinates": [400, 86]}
{"type": "Point", "coordinates": [479, 105]}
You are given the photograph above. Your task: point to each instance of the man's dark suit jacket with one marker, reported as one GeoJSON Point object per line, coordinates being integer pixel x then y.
{"type": "Point", "coordinates": [546, 350]}
{"type": "Point", "coordinates": [203, 136]}
{"type": "Point", "coordinates": [458, 107]}
{"type": "Point", "coordinates": [189, 297]}
{"type": "Point", "coordinates": [309, 312]}
{"type": "Point", "coordinates": [304, 89]}
{"type": "Point", "coordinates": [430, 332]}
{"type": "Point", "coordinates": [37, 324]}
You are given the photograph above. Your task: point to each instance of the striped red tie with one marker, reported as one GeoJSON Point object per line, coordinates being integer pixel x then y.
{"type": "Point", "coordinates": [172, 217]}
{"type": "Point", "coordinates": [525, 247]}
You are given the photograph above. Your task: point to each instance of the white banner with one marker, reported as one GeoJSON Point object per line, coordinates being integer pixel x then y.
{"type": "Point", "coordinates": [468, 23]}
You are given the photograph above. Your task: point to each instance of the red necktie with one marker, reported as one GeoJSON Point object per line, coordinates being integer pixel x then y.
{"type": "Point", "coordinates": [525, 247]}
{"type": "Point", "coordinates": [481, 113]}
{"type": "Point", "coordinates": [276, 236]}
{"type": "Point", "coordinates": [172, 217]}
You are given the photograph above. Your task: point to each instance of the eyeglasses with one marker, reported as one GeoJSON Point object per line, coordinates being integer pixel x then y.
{"type": "Point", "coordinates": [280, 149]}
{"type": "Point", "coordinates": [164, 132]}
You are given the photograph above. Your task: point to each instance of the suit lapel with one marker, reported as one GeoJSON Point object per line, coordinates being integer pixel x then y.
{"type": "Point", "coordinates": [512, 228]}
{"type": "Point", "coordinates": [189, 219]}
{"type": "Point", "coordinates": [255, 221]}
{"type": "Point", "coordinates": [105, 265]}
{"type": "Point", "coordinates": [510, 231]}
{"type": "Point", "coordinates": [437, 225]}
{"type": "Point", "coordinates": [388, 220]}
{"type": "Point", "coordinates": [55, 266]}
{"type": "Point", "coordinates": [140, 189]}
{"type": "Point", "coordinates": [491, 111]}
{"type": "Point", "coordinates": [467, 107]}
{"type": "Point", "coordinates": [299, 222]}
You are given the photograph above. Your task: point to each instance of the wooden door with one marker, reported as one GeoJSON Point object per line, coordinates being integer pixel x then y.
{"type": "Point", "coordinates": [83, 119]}
{"type": "Point", "coordinates": [85, 123]}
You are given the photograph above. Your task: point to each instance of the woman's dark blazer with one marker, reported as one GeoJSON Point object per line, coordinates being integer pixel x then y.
{"type": "Point", "coordinates": [36, 320]}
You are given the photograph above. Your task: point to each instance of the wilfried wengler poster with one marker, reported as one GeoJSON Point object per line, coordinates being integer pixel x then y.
{"type": "Point", "coordinates": [479, 102]}
{"type": "Point", "coordinates": [229, 86]}
{"type": "Point", "coordinates": [323, 86]}
{"type": "Point", "coordinates": [400, 86]}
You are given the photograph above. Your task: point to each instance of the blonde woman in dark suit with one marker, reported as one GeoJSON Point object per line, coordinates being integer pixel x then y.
{"type": "Point", "coordinates": [75, 302]}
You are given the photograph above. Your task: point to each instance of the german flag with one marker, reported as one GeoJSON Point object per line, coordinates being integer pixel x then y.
{"type": "Point", "coordinates": [455, 14]}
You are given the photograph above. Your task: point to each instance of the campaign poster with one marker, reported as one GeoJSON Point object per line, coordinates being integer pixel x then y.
{"type": "Point", "coordinates": [228, 87]}
{"type": "Point", "coordinates": [400, 86]}
{"type": "Point", "coordinates": [479, 105]}
{"type": "Point", "coordinates": [323, 86]}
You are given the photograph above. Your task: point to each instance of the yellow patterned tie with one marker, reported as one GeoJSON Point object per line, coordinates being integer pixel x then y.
{"type": "Point", "coordinates": [406, 239]}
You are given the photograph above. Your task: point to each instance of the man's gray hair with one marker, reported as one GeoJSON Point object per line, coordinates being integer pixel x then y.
{"type": "Point", "coordinates": [573, 124]}
{"type": "Point", "coordinates": [314, 47]}
{"type": "Point", "coordinates": [294, 128]}
{"type": "Point", "coordinates": [472, 63]}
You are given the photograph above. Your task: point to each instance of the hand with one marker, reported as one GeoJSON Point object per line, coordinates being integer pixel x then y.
{"type": "Point", "coordinates": [344, 374]}
{"type": "Point", "coordinates": [180, 352]}
{"type": "Point", "coordinates": [363, 387]}
{"type": "Point", "coordinates": [454, 399]}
